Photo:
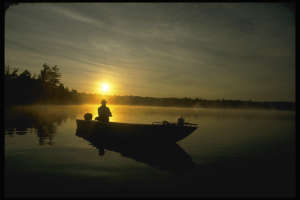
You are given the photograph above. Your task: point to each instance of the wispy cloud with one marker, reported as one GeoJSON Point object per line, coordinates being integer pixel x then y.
{"type": "Point", "coordinates": [73, 15]}
{"type": "Point", "coordinates": [162, 49]}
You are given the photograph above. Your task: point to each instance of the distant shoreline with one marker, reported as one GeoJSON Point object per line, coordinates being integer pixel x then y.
{"type": "Point", "coordinates": [193, 103]}
{"type": "Point", "coordinates": [46, 89]}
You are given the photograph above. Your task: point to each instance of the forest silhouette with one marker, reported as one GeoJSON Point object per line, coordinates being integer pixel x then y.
{"type": "Point", "coordinates": [46, 88]}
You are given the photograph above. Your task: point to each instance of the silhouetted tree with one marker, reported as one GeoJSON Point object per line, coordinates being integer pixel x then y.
{"type": "Point", "coordinates": [26, 75]}
{"type": "Point", "coordinates": [50, 75]}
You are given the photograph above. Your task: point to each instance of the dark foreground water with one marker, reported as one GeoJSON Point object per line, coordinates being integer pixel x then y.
{"type": "Point", "coordinates": [233, 153]}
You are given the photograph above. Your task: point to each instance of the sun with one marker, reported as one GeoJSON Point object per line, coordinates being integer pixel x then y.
{"type": "Point", "coordinates": [104, 87]}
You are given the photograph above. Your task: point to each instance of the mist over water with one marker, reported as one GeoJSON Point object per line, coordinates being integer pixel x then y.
{"type": "Point", "coordinates": [235, 152]}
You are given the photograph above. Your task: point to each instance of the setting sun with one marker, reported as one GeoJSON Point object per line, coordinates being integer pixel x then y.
{"type": "Point", "coordinates": [104, 88]}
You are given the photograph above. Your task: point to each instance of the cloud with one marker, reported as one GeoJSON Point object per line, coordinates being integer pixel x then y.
{"type": "Point", "coordinates": [218, 46]}
{"type": "Point", "coordinates": [73, 15]}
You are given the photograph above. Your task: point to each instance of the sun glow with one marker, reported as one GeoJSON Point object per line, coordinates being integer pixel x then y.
{"type": "Point", "coordinates": [104, 88]}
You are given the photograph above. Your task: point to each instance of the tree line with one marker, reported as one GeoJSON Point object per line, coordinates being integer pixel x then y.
{"type": "Point", "coordinates": [47, 88]}
{"type": "Point", "coordinates": [201, 103]}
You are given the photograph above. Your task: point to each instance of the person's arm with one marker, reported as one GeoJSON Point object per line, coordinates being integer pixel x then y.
{"type": "Point", "coordinates": [109, 112]}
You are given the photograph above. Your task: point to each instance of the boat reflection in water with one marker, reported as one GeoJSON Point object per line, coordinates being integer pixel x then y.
{"type": "Point", "coordinates": [168, 156]}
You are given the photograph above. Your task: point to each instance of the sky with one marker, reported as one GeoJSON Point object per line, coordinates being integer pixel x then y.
{"type": "Point", "coordinates": [205, 50]}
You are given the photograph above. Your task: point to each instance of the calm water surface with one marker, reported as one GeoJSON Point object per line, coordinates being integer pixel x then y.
{"type": "Point", "coordinates": [232, 153]}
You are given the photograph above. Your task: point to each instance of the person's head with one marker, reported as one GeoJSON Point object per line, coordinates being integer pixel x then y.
{"type": "Point", "coordinates": [103, 102]}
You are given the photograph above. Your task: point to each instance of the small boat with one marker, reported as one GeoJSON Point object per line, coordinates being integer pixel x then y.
{"type": "Point", "coordinates": [156, 132]}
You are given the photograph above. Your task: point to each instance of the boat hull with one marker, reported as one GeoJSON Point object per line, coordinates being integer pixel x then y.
{"type": "Point", "coordinates": [134, 132]}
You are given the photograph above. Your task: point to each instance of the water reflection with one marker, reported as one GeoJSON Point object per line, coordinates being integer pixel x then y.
{"type": "Point", "coordinates": [170, 157]}
{"type": "Point", "coordinates": [43, 123]}
{"type": "Point", "coordinates": [18, 131]}
{"type": "Point", "coordinates": [46, 132]}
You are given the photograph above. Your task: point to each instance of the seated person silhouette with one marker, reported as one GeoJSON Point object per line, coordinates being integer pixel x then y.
{"type": "Point", "coordinates": [103, 112]}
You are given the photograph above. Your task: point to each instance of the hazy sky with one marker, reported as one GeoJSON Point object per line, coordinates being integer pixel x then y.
{"type": "Point", "coordinates": [208, 50]}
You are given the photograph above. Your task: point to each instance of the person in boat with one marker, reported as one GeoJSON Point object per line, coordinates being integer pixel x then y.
{"type": "Point", "coordinates": [103, 112]}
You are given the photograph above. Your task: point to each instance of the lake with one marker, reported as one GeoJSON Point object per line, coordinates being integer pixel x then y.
{"type": "Point", "coordinates": [232, 153]}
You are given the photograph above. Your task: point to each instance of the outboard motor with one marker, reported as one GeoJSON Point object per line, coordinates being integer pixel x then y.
{"type": "Point", "coordinates": [165, 123]}
{"type": "Point", "coordinates": [180, 121]}
{"type": "Point", "coordinates": [88, 116]}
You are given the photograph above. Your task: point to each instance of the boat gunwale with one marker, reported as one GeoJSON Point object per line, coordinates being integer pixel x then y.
{"type": "Point", "coordinates": [137, 124]}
